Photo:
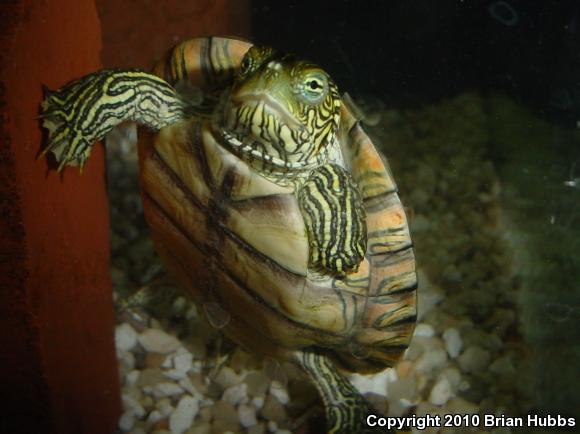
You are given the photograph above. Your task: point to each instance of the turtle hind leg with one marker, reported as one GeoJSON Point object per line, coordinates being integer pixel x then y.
{"type": "Point", "coordinates": [346, 410]}
{"type": "Point", "coordinates": [84, 111]}
{"type": "Point", "coordinates": [334, 216]}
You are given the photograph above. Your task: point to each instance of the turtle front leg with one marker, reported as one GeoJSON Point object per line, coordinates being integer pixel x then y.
{"type": "Point", "coordinates": [85, 110]}
{"type": "Point", "coordinates": [346, 410]}
{"type": "Point", "coordinates": [334, 216]}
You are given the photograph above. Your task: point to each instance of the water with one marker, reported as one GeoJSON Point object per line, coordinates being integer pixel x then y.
{"type": "Point", "coordinates": [475, 105]}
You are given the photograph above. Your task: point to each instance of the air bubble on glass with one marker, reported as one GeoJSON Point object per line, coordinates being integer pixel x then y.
{"type": "Point", "coordinates": [558, 312]}
{"type": "Point", "coordinates": [573, 180]}
{"type": "Point", "coordinates": [216, 315]}
{"type": "Point", "coordinates": [503, 12]}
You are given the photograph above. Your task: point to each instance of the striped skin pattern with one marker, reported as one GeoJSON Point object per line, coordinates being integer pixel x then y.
{"type": "Point", "coordinates": [334, 215]}
{"type": "Point", "coordinates": [84, 111]}
{"type": "Point", "coordinates": [346, 410]}
{"type": "Point", "coordinates": [281, 115]}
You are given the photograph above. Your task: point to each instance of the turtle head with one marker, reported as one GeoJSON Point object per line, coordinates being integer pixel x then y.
{"type": "Point", "coordinates": [281, 109]}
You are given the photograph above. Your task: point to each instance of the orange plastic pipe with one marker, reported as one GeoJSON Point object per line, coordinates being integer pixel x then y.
{"type": "Point", "coordinates": [58, 371]}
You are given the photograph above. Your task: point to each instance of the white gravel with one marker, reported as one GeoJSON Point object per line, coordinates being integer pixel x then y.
{"type": "Point", "coordinates": [441, 392]}
{"type": "Point", "coordinates": [125, 337]}
{"type": "Point", "coordinates": [453, 342]}
{"type": "Point", "coordinates": [157, 341]}
{"type": "Point", "coordinates": [185, 412]}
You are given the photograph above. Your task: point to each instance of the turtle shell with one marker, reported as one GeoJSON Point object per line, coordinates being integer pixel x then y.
{"type": "Point", "coordinates": [236, 240]}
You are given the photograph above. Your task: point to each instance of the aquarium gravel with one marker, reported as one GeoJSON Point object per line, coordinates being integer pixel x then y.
{"type": "Point", "coordinates": [179, 375]}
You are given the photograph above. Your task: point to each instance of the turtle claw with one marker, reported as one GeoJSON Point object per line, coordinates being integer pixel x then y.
{"type": "Point", "coordinates": [68, 147]}
{"type": "Point", "coordinates": [61, 166]}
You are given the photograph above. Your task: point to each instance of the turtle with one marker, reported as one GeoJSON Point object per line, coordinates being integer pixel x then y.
{"type": "Point", "coordinates": [266, 200]}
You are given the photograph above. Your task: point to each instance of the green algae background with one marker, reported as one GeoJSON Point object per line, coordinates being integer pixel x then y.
{"type": "Point", "coordinates": [537, 161]}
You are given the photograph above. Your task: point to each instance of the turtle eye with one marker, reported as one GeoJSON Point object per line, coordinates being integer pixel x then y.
{"type": "Point", "coordinates": [314, 87]}
{"type": "Point", "coordinates": [246, 65]}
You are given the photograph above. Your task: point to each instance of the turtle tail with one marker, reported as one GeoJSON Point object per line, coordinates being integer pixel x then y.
{"type": "Point", "coordinates": [346, 410]}
{"type": "Point", "coordinates": [85, 110]}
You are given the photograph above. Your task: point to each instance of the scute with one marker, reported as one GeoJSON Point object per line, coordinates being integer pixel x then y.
{"type": "Point", "coordinates": [260, 212]}
{"type": "Point", "coordinates": [356, 283]}
{"type": "Point", "coordinates": [177, 147]}
{"type": "Point", "coordinates": [390, 232]}
{"type": "Point", "coordinates": [368, 169]}
{"type": "Point", "coordinates": [394, 273]}
{"type": "Point", "coordinates": [271, 225]}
